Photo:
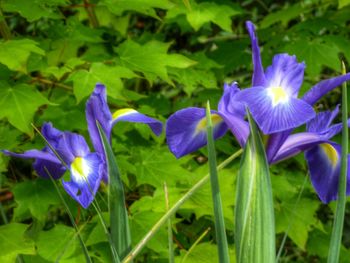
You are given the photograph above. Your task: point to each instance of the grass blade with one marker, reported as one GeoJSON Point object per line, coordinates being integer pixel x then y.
{"type": "Point", "coordinates": [170, 230]}
{"type": "Point", "coordinates": [119, 221]}
{"type": "Point", "coordinates": [137, 249]}
{"type": "Point", "coordinates": [195, 244]}
{"type": "Point", "coordinates": [254, 214]}
{"type": "Point", "coordinates": [220, 230]}
{"type": "Point", "coordinates": [337, 231]}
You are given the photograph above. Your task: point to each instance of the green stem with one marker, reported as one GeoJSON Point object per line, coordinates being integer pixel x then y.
{"type": "Point", "coordinates": [170, 230]}
{"type": "Point", "coordinates": [136, 250]}
{"type": "Point", "coordinates": [91, 13]}
{"type": "Point", "coordinates": [337, 231]}
{"type": "Point", "coordinates": [4, 28]}
{"type": "Point", "coordinates": [220, 229]}
{"type": "Point", "coordinates": [195, 244]}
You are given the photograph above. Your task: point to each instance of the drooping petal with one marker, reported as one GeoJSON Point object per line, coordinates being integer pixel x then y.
{"type": "Point", "coordinates": [324, 165]}
{"type": "Point", "coordinates": [70, 146]}
{"type": "Point", "coordinates": [45, 162]}
{"type": "Point", "coordinates": [233, 111]}
{"type": "Point", "coordinates": [275, 117]}
{"type": "Point", "coordinates": [186, 130]}
{"type": "Point", "coordinates": [274, 143]}
{"type": "Point", "coordinates": [258, 74]}
{"type": "Point", "coordinates": [286, 73]}
{"type": "Point", "coordinates": [297, 143]}
{"type": "Point", "coordinates": [97, 110]}
{"type": "Point", "coordinates": [131, 115]}
{"type": "Point", "coordinates": [51, 134]}
{"type": "Point", "coordinates": [323, 87]}
{"type": "Point", "coordinates": [322, 121]}
{"type": "Point", "coordinates": [86, 174]}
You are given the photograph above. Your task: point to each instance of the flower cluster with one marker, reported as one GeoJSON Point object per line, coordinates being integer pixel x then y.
{"type": "Point", "coordinates": [274, 104]}
{"type": "Point", "coordinates": [69, 151]}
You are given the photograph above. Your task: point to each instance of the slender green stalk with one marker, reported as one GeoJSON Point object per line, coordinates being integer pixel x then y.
{"type": "Point", "coordinates": [4, 28]}
{"type": "Point", "coordinates": [220, 229]}
{"type": "Point", "coordinates": [71, 218]}
{"type": "Point", "coordinates": [136, 250]}
{"type": "Point", "coordinates": [170, 230]}
{"type": "Point", "coordinates": [337, 231]}
{"type": "Point", "coordinates": [195, 244]}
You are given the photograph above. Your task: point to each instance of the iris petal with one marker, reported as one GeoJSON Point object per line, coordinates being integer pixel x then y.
{"type": "Point", "coordinates": [323, 87]}
{"type": "Point", "coordinates": [44, 161]}
{"type": "Point", "coordinates": [258, 74]}
{"type": "Point", "coordinates": [131, 115]}
{"type": "Point", "coordinates": [324, 165]}
{"type": "Point", "coordinates": [97, 110]}
{"type": "Point", "coordinates": [186, 130]}
{"type": "Point", "coordinates": [297, 143]}
{"type": "Point", "coordinates": [285, 73]}
{"type": "Point", "coordinates": [275, 118]}
{"type": "Point", "coordinates": [86, 174]}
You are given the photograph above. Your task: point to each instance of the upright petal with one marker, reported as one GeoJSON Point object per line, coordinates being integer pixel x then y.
{"type": "Point", "coordinates": [97, 111]}
{"type": "Point", "coordinates": [274, 114]}
{"type": "Point", "coordinates": [45, 161]}
{"type": "Point", "coordinates": [186, 130]}
{"type": "Point", "coordinates": [131, 115]}
{"type": "Point", "coordinates": [324, 165]}
{"type": "Point", "coordinates": [286, 73]}
{"type": "Point", "coordinates": [51, 134]}
{"type": "Point", "coordinates": [86, 174]}
{"type": "Point", "coordinates": [258, 74]}
{"type": "Point", "coordinates": [70, 146]}
{"type": "Point", "coordinates": [322, 121]}
{"type": "Point", "coordinates": [323, 87]}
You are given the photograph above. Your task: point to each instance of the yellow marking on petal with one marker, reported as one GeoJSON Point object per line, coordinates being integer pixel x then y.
{"type": "Point", "coordinates": [77, 166]}
{"type": "Point", "coordinates": [278, 95]}
{"type": "Point", "coordinates": [122, 112]}
{"type": "Point", "coordinates": [331, 153]}
{"type": "Point", "coordinates": [202, 124]}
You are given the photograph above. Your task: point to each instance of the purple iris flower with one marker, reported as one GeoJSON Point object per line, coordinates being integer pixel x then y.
{"type": "Point", "coordinates": [86, 169]}
{"type": "Point", "coordinates": [273, 102]}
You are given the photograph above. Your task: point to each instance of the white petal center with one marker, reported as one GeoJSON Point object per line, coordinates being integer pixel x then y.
{"type": "Point", "coordinates": [80, 169]}
{"type": "Point", "coordinates": [277, 95]}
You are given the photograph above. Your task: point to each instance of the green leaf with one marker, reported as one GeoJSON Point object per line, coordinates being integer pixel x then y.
{"type": "Point", "coordinates": [142, 6]}
{"type": "Point", "coordinates": [299, 219]}
{"type": "Point", "coordinates": [119, 221]}
{"type": "Point", "coordinates": [151, 59]}
{"type": "Point", "coordinates": [13, 242]}
{"type": "Point", "coordinates": [34, 10]}
{"type": "Point", "coordinates": [35, 196]}
{"type": "Point", "coordinates": [18, 104]}
{"type": "Point", "coordinates": [21, 49]}
{"type": "Point", "coordinates": [342, 3]}
{"type": "Point", "coordinates": [57, 243]}
{"type": "Point", "coordinates": [254, 213]}
{"type": "Point", "coordinates": [283, 15]}
{"type": "Point", "coordinates": [316, 55]}
{"type": "Point", "coordinates": [84, 80]}
{"type": "Point", "coordinates": [202, 13]}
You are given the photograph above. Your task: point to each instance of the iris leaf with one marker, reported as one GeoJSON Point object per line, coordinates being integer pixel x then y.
{"type": "Point", "coordinates": [254, 214]}
{"type": "Point", "coordinates": [337, 231]}
{"type": "Point", "coordinates": [119, 222]}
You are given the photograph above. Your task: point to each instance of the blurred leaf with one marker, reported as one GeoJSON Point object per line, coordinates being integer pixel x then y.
{"type": "Point", "coordinates": [300, 220]}
{"type": "Point", "coordinates": [13, 242]}
{"type": "Point", "coordinates": [57, 243]}
{"type": "Point", "coordinates": [151, 59]}
{"type": "Point", "coordinates": [146, 7]}
{"type": "Point", "coordinates": [18, 104]}
{"type": "Point", "coordinates": [205, 12]}
{"type": "Point", "coordinates": [84, 81]}
{"type": "Point", "coordinates": [22, 49]}
{"type": "Point", "coordinates": [34, 10]}
{"type": "Point", "coordinates": [316, 55]}
{"type": "Point", "coordinates": [342, 3]}
{"type": "Point", "coordinates": [283, 15]}
{"type": "Point", "coordinates": [35, 196]}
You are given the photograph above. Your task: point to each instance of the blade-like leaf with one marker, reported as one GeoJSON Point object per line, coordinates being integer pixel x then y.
{"type": "Point", "coordinates": [254, 214]}
{"type": "Point", "coordinates": [337, 231]}
{"type": "Point", "coordinates": [119, 222]}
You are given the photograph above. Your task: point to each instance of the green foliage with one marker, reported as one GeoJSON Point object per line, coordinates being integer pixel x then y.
{"type": "Point", "coordinates": [156, 56]}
